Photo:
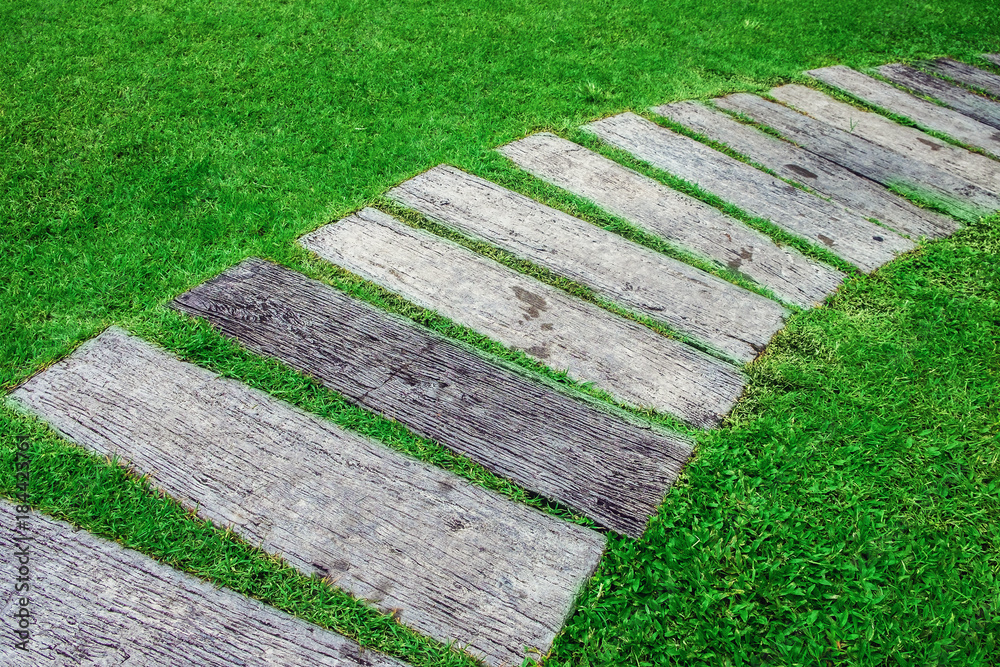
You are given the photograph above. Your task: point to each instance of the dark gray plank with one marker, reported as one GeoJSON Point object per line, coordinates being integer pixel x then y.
{"type": "Point", "coordinates": [845, 234]}
{"type": "Point", "coordinates": [863, 157]}
{"type": "Point", "coordinates": [907, 141]}
{"type": "Point", "coordinates": [829, 178]}
{"type": "Point", "coordinates": [622, 357]}
{"type": "Point", "coordinates": [95, 602]}
{"type": "Point", "coordinates": [921, 112]}
{"type": "Point", "coordinates": [611, 470]}
{"type": "Point", "coordinates": [964, 101]}
{"type": "Point", "coordinates": [673, 215]}
{"type": "Point", "coordinates": [726, 317]}
{"type": "Point", "coordinates": [967, 74]}
{"type": "Point", "coordinates": [452, 560]}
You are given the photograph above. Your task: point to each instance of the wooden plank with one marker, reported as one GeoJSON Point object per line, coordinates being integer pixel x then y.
{"type": "Point", "coordinates": [452, 560]}
{"type": "Point", "coordinates": [690, 223]}
{"type": "Point", "coordinates": [967, 74]}
{"type": "Point", "coordinates": [964, 101]}
{"type": "Point", "coordinates": [921, 112]}
{"type": "Point", "coordinates": [907, 141]}
{"type": "Point", "coordinates": [845, 234]}
{"type": "Point", "coordinates": [609, 469]}
{"type": "Point", "coordinates": [93, 602]}
{"type": "Point", "coordinates": [789, 161]}
{"type": "Point", "coordinates": [728, 318]}
{"type": "Point", "coordinates": [864, 157]}
{"type": "Point", "coordinates": [622, 357]}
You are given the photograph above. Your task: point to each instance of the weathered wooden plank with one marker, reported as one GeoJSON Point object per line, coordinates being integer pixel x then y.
{"type": "Point", "coordinates": [624, 358]}
{"type": "Point", "coordinates": [964, 101]}
{"type": "Point", "coordinates": [93, 602]}
{"type": "Point", "coordinates": [967, 74]}
{"type": "Point", "coordinates": [845, 234]}
{"type": "Point", "coordinates": [614, 471]}
{"type": "Point", "coordinates": [922, 112]}
{"type": "Point", "coordinates": [453, 560]}
{"type": "Point", "coordinates": [727, 317]}
{"type": "Point", "coordinates": [907, 141]}
{"type": "Point", "coordinates": [829, 178]}
{"type": "Point", "coordinates": [673, 215]}
{"type": "Point", "coordinates": [863, 157]}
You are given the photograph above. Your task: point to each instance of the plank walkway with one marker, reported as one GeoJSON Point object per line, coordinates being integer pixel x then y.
{"type": "Point", "coordinates": [95, 602]}
{"type": "Point", "coordinates": [908, 141]}
{"type": "Point", "coordinates": [967, 74]}
{"type": "Point", "coordinates": [622, 357]}
{"type": "Point", "coordinates": [961, 100]}
{"type": "Point", "coordinates": [609, 469]}
{"type": "Point", "coordinates": [863, 157]}
{"type": "Point", "coordinates": [856, 192]}
{"type": "Point", "coordinates": [452, 560]}
{"type": "Point", "coordinates": [845, 234]}
{"type": "Point", "coordinates": [922, 112]}
{"type": "Point", "coordinates": [727, 317]}
{"type": "Point", "coordinates": [684, 220]}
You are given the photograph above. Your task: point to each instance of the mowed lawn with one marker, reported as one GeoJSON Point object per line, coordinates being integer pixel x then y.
{"type": "Point", "coordinates": [846, 513]}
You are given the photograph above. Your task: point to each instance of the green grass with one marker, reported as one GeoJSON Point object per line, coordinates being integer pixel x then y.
{"type": "Point", "coordinates": [846, 513]}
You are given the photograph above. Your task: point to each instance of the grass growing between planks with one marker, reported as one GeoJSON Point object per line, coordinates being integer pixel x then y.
{"type": "Point", "coordinates": [145, 148]}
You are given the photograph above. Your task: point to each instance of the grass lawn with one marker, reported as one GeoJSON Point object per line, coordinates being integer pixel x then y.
{"type": "Point", "coordinates": [845, 514]}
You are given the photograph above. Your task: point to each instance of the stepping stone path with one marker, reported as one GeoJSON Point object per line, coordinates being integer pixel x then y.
{"type": "Point", "coordinates": [94, 602]}
{"type": "Point", "coordinates": [450, 559]}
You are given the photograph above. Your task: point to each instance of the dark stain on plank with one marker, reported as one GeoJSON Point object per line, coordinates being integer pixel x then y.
{"type": "Point", "coordinates": [801, 171]}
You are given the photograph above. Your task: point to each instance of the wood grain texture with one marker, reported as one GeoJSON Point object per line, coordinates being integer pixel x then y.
{"type": "Point", "coordinates": [689, 223]}
{"type": "Point", "coordinates": [95, 602]}
{"type": "Point", "coordinates": [961, 100]}
{"type": "Point", "coordinates": [967, 74]}
{"type": "Point", "coordinates": [845, 234]}
{"type": "Point", "coordinates": [856, 192]}
{"type": "Point", "coordinates": [609, 469]}
{"type": "Point", "coordinates": [921, 112]}
{"type": "Point", "coordinates": [623, 357]}
{"type": "Point", "coordinates": [725, 316]}
{"type": "Point", "coordinates": [864, 157]}
{"type": "Point", "coordinates": [457, 562]}
{"type": "Point", "coordinates": [907, 141]}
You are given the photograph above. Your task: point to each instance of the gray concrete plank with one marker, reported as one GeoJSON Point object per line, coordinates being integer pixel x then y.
{"type": "Point", "coordinates": [622, 357]}
{"type": "Point", "coordinates": [852, 190]}
{"type": "Point", "coordinates": [684, 220]}
{"type": "Point", "coordinates": [845, 234]}
{"type": "Point", "coordinates": [725, 316]}
{"type": "Point", "coordinates": [94, 602]}
{"type": "Point", "coordinates": [452, 560]}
